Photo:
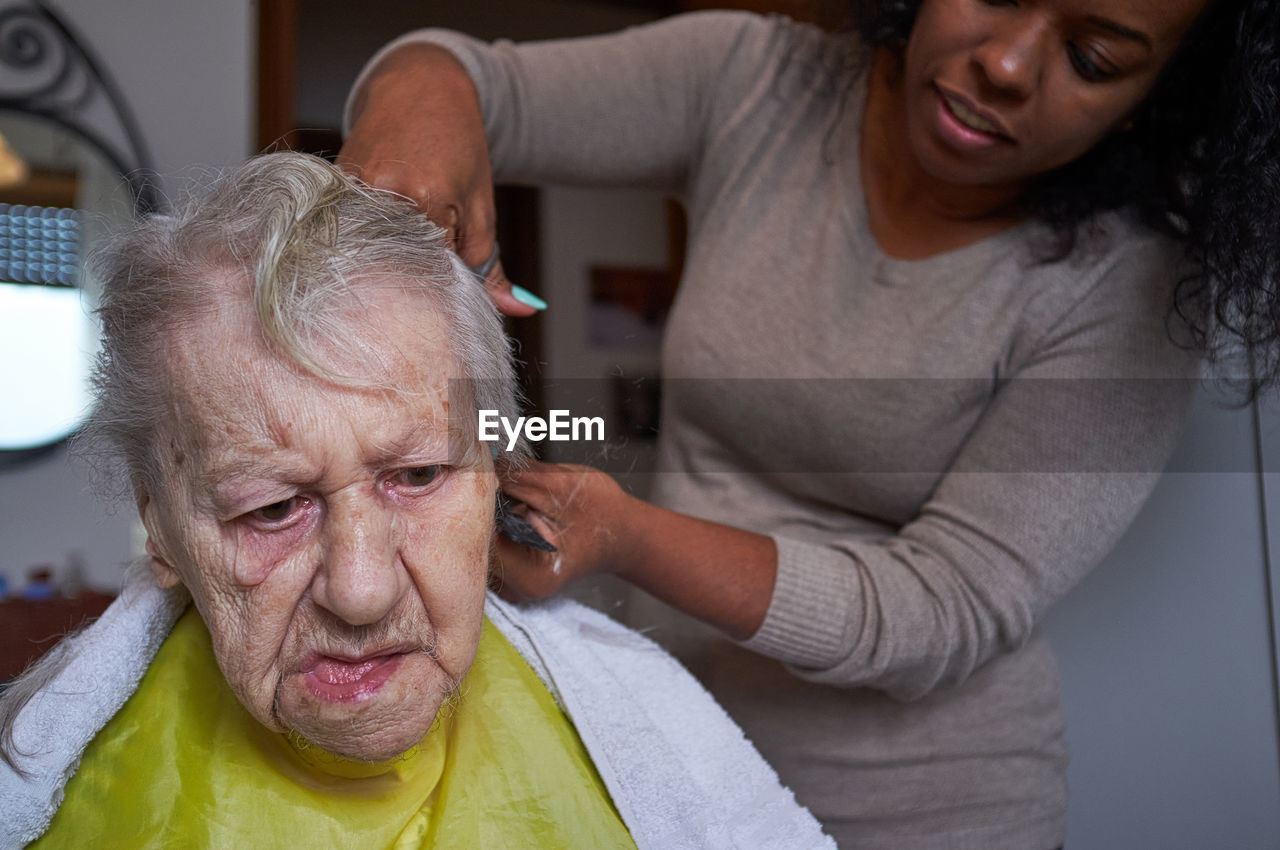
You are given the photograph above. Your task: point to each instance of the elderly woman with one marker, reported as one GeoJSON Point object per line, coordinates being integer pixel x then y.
{"type": "Point", "coordinates": [291, 372]}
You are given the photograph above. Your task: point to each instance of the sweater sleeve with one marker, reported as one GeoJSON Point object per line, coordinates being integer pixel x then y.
{"type": "Point", "coordinates": [1057, 467]}
{"type": "Point", "coordinates": [627, 109]}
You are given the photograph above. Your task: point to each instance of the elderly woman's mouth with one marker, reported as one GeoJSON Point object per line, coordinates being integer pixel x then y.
{"type": "Point", "coordinates": [340, 679]}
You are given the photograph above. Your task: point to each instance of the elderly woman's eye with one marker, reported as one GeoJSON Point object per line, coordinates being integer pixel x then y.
{"type": "Point", "coordinates": [419, 476]}
{"type": "Point", "coordinates": [277, 511]}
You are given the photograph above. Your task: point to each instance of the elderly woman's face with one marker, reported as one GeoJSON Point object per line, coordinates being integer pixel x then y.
{"type": "Point", "coordinates": [336, 555]}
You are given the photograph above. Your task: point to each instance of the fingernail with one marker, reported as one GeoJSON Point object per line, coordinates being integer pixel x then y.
{"type": "Point", "coordinates": [524, 296]}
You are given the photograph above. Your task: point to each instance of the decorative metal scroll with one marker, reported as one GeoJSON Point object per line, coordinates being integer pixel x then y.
{"type": "Point", "coordinates": [45, 70]}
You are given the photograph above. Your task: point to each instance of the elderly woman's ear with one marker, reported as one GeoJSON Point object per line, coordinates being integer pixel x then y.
{"type": "Point", "coordinates": [161, 567]}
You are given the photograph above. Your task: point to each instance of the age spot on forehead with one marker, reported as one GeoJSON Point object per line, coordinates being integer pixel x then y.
{"type": "Point", "coordinates": [280, 430]}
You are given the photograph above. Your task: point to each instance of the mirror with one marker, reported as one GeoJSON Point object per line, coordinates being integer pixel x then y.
{"type": "Point", "coordinates": [72, 167]}
{"type": "Point", "coordinates": [57, 193]}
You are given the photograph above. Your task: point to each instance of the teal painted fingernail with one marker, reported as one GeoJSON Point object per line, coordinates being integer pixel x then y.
{"type": "Point", "coordinates": [524, 296]}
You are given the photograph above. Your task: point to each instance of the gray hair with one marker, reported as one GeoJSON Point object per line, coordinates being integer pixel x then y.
{"type": "Point", "coordinates": [301, 231]}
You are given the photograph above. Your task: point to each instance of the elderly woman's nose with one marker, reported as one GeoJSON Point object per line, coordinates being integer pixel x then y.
{"type": "Point", "coordinates": [1011, 57]}
{"type": "Point", "coordinates": [360, 578]}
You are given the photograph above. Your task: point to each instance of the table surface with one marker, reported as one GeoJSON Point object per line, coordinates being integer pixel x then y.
{"type": "Point", "coordinates": [30, 627]}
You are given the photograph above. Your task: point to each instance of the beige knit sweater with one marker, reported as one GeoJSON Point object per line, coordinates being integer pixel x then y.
{"type": "Point", "coordinates": [941, 448]}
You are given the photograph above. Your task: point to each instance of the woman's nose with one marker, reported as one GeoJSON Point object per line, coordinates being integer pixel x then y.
{"type": "Point", "coordinates": [361, 578]}
{"type": "Point", "coordinates": [1011, 57]}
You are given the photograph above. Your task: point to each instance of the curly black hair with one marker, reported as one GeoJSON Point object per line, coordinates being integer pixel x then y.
{"type": "Point", "coordinates": [1201, 162]}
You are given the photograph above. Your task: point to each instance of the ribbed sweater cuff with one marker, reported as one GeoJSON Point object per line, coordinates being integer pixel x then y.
{"type": "Point", "coordinates": [808, 615]}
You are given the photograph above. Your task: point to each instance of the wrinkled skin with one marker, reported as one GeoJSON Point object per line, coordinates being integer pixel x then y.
{"type": "Point", "coordinates": [335, 553]}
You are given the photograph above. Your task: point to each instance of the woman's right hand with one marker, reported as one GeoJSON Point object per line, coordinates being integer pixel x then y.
{"type": "Point", "coordinates": [417, 130]}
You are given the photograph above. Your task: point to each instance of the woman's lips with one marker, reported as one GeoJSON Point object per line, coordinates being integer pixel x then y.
{"type": "Point", "coordinates": [349, 680]}
{"type": "Point", "coordinates": [963, 128]}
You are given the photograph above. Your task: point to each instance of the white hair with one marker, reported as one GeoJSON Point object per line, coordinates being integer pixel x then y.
{"type": "Point", "coordinates": [302, 231]}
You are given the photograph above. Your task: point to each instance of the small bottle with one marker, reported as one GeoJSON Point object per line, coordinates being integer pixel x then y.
{"type": "Point", "coordinates": [39, 583]}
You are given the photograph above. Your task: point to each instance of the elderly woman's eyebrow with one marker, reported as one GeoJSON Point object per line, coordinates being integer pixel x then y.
{"type": "Point", "coordinates": [223, 470]}
{"type": "Point", "coordinates": [251, 461]}
{"type": "Point", "coordinates": [428, 438]}
{"type": "Point", "coordinates": [226, 485]}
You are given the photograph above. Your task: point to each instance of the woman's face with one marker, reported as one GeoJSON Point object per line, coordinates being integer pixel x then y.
{"type": "Point", "coordinates": [999, 91]}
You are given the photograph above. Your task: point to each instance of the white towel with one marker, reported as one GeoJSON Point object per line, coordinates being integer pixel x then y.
{"type": "Point", "coordinates": [107, 662]}
{"type": "Point", "coordinates": [679, 770]}
{"type": "Point", "coordinates": [681, 773]}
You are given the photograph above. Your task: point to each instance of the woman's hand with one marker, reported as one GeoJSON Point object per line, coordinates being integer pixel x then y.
{"type": "Point", "coordinates": [721, 575]}
{"type": "Point", "coordinates": [418, 131]}
{"type": "Point", "coordinates": [579, 510]}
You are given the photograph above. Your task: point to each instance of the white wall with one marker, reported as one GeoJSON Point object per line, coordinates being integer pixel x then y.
{"type": "Point", "coordinates": [186, 68]}
{"type": "Point", "coordinates": [582, 228]}
{"type": "Point", "coordinates": [1165, 653]}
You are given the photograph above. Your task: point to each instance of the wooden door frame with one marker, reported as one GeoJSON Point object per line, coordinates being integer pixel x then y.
{"type": "Point", "coordinates": [277, 73]}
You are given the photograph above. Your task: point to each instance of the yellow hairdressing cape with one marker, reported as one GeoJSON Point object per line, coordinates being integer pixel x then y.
{"type": "Point", "coordinates": [182, 764]}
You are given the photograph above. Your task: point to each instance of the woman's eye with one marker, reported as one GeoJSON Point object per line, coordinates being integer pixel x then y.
{"type": "Point", "coordinates": [277, 511]}
{"type": "Point", "coordinates": [1086, 66]}
{"type": "Point", "coordinates": [419, 476]}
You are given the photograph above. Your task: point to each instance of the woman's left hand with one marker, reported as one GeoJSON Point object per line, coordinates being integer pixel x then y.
{"type": "Point", "coordinates": [721, 575]}
{"type": "Point", "coordinates": [579, 510]}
